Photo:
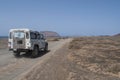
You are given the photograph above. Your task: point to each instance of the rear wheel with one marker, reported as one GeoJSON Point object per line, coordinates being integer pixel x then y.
{"type": "Point", "coordinates": [35, 52]}
{"type": "Point", "coordinates": [16, 53]}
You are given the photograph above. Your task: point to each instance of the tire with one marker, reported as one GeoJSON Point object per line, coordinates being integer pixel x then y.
{"type": "Point", "coordinates": [16, 54]}
{"type": "Point", "coordinates": [35, 52]}
{"type": "Point", "coordinates": [46, 48]}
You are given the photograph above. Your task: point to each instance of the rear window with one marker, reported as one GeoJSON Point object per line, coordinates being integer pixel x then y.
{"type": "Point", "coordinates": [19, 34]}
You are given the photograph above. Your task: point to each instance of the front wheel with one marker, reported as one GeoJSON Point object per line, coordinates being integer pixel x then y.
{"type": "Point", "coordinates": [46, 48]}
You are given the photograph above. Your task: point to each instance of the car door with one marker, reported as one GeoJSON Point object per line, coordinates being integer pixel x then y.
{"type": "Point", "coordinates": [42, 39]}
{"type": "Point", "coordinates": [19, 40]}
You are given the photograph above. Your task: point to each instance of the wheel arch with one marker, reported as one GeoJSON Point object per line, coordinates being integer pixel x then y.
{"type": "Point", "coordinates": [36, 45]}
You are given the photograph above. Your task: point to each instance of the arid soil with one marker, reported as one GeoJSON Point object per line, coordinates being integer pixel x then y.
{"type": "Point", "coordinates": [99, 57]}
{"type": "Point", "coordinates": [55, 68]}
{"type": "Point", "coordinates": [12, 68]}
{"type": "Point", "coordinates": [84, 58]}
{"type": "Point", "coordinates": [3, 43]}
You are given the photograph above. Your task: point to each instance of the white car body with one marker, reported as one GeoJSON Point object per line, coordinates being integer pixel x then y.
{"type": "Point", "coordinates": [23, 40]}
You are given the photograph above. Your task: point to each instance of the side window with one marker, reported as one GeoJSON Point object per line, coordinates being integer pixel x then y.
{"type": "Point", "coordinates": [27, 35]}
{"type": "Point", "coordinates": [38, 36]}
{"type": "Point", "coordinates": [32, 35]}
{"type": "Point", "coordinates": [35, 35]}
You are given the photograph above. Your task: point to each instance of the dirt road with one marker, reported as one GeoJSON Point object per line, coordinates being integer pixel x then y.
{"type": "Point", "coordinates": [11, 68]}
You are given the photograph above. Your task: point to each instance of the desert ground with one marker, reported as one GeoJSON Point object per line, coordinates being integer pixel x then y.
{"type": "Point", "coordinates": [82, 58]}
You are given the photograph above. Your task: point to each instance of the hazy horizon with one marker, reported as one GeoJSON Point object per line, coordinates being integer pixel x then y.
{"type": "Point", "coordinates": [66, 17]}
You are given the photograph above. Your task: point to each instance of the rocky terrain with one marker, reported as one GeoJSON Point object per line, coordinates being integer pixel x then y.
{"type": "Point", "coordinates": [84, 58]}
{"type": "Point", "coordinates": [99, 57]}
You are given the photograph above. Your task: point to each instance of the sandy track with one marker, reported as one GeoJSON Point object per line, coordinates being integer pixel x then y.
{"type": "Point", "coordinates": [11, 68]}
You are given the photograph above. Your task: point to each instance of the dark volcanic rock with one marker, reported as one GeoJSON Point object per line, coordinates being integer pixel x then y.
{"type": "Point", "coordinates": [117, 34]}
{"type": "Point", "coordinates": [50, 34]}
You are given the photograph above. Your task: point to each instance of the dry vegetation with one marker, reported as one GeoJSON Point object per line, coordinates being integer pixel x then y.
{"type": "Point", "coordinates": [53, 39]}
{"type": "Point", "coordinates": [99, 55]}
{"type": "Point", "coordinates": [84, 58]}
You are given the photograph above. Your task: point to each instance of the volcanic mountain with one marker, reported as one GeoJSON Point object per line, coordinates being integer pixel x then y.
{"type": "Point", "coordinates": [49, 34]}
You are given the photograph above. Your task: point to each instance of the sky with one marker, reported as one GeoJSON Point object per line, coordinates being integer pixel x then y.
{"type": "Point", "coordinates": [66, 17]}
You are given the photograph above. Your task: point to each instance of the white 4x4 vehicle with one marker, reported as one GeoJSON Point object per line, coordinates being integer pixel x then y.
{"type": "Point", "coordinates": [26, 40]}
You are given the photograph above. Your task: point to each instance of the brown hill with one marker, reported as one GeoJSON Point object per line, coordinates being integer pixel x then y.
{"type": "Point", "coordinates": [49, 34]}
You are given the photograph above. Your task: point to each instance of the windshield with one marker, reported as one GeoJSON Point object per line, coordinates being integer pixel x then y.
{"type": "Point", "coordinates": [19, 34]}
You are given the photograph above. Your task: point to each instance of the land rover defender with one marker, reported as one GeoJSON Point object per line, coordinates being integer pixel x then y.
{"type": "Point", "coordinates": [26, 40]}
